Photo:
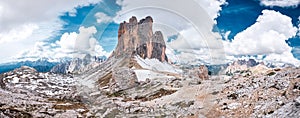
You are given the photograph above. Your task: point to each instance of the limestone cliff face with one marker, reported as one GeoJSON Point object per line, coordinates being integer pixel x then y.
{"type": "Point", "coordinates": [137, 38]}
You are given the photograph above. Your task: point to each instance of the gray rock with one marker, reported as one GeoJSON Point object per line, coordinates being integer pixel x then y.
{"type": "Point", "coordinates": [290, 110]}
{"type": "Point", "coordinates": [122, 78]}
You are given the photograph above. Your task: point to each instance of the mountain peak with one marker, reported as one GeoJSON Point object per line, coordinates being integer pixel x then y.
{"type": "Point", "coordinates": [145, 20]}
{"type": "Point", "coordinates": [137, 38]}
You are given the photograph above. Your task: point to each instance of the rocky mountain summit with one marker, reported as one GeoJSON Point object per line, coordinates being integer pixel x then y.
{"type": "Point", "coordinates": [136, 52]}
{"type": "Point", "coordinates": [137, 81]}
{"type": "Point", "coordinates": [137, 37]}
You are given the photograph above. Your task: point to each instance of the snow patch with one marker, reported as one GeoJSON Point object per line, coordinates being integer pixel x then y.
{"type": "Point", "coordinates": [15, 80]}
{"type": "Point", "coordinates": [156, 65]}
{"type": "Point", "coordinates": [142, 75]}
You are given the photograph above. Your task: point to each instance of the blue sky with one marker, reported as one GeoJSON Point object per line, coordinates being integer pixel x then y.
{"type": "Point", "coordinates": [107, 32]}
{"type": "Point", "coordinates": [80, 27]}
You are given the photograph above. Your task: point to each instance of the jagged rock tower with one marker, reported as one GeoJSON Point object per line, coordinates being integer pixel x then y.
{"type": "Point", "coordinates": [137, 38]}
{"type": "Point", "coordinates": [134, 38]}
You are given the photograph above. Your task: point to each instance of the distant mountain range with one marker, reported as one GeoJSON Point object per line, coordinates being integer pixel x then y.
{"type": "Point", "coordinates": [41, 65]}
{"type": "Point", "coordinates": [44, 65]}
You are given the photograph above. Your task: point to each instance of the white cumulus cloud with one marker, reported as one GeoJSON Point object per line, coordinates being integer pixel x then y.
{"type": "Point", "coordinates": [84, 37]}
{"type": "Point", "coordinates": [26, 22]}
{"type": "Point", "coordinates": [280, 3]}
{"type": "Point", "coordinates": [67, 41]}
{"type": "Point", "coordinates": [212, 7]}
{"type": "Point", "coordinates": [265, 37]}
{"type": "Point", "coordinates": [33, 11]}
{"type": "Point", "coordinates": [70, 45]}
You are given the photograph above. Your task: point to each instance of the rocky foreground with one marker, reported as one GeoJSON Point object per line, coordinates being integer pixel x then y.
{"type": "Point", "coordinates": [271, 92]}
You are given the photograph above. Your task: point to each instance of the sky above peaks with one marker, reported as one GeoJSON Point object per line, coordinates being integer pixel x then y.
{"type": "Point", "coordinates": [202, 31]}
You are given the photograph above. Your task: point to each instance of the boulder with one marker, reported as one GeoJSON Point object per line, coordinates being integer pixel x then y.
{"type": "Point", "coordinates": [203, 72]}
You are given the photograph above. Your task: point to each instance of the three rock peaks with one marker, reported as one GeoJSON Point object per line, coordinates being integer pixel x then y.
{"type": "Point", "coordinates": [137, 38]}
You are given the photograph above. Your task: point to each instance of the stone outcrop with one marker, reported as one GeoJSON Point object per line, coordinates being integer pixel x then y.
{"type": "Point", "coordinates": [240, 66]}
{"type": "Point", "coordinates": [137, 38]}
{"type": "Point", "coordinates": [203, 72]}
{"type": "Point", "coordinates": [122, 78]}
{"type": "Point", "coordinates": [197, 74]}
